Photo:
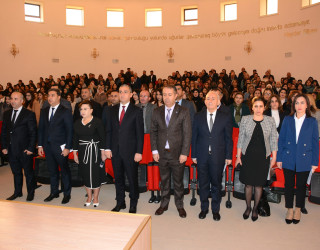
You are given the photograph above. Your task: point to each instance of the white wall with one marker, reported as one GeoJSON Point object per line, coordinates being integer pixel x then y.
{"type": "Point", "coordinates": [37, 51]}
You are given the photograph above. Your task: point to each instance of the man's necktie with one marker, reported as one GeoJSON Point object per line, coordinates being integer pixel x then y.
{"type": "Point", "coordinates": [211, 122]}
{"type": "Point", "coordinates": [122, 114]}
{"type": "Point", "coordinates": [52, 113]}
{"type": "Point", "coordinates": [168, 117]}
{"type": "Point", "coordinates": [14, 116]}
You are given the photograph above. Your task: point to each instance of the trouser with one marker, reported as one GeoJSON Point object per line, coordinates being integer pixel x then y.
{"type": "Point", "coordinates": [168, 165]}
{"type": "Point", "coordinates": [301, 181]}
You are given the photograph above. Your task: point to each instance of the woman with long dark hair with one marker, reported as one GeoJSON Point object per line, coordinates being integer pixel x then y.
{"type": "Point", "coordinates": [32, 104]}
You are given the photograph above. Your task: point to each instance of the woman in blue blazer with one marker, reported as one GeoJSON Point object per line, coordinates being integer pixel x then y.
{"type": "Point", "coordinates": [298, 153]}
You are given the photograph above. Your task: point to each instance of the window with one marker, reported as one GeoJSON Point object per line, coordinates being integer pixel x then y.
{"type": "Point", "coordinates": [306, 3]}
{"type": "Point", "coordinates": [272, 7]}
{"type": "Point", "coordinates": [114, 18]}
{"type": "Point", "coordinates": [74, 16]}
{"type": "Point", "coordinates": [33, 12]}
{"type": "Point", "coordinates": [190, 16]}
{"type": "Point", "coordinates": [154, 18]}
{"type": "Point", "coordinates": [230, 12]}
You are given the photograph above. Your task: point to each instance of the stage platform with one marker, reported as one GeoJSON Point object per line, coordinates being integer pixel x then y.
{"type": "Point", "coordinates": [37, 226]}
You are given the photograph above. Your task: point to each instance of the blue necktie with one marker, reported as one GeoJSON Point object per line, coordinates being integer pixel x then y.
{"type": "Point", "coordinates": [51, 116]}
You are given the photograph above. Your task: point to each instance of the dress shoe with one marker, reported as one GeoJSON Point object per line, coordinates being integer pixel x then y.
{"type": "Point", "coordinates": [51, 197]}
{"type": "Point", "coordinates": [182, 212]}
{"type": "Point", "coordinates": [295, 221]}
{"type": "Point", "coordinates": [304, 210]}
{"type": "Point", "coordinates": [133, 210]}
{"type": "Point", "coordinates": [203, 214]}
{"type": "Point", "coordinates": [66, 199]}
{"type": "Point", "coordinates": [288, 221]}
{"type": "Point", "coordinates": [13, 197]}
{"type": "Point", "coordinates": [216, 216]}
{"type": "Point", "coordinates": [96, 204]}
{"type": "Point", "coordinates": [30, 197]}
{"type": "Point", "coordinates": [161, 210]}
{"type": "Point", "coordinates": [246, 214]}
{"type": "Point", "coordinates": [254, 218]}
{"type": "Point", "coordinates": [118, 207]}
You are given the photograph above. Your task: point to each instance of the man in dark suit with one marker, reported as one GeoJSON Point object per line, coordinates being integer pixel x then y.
{"type": "Point", "coordinates": [55, 140]}
{"type": "Point", "coordinates": [86, 94]}
{"type": "Point", "coordinates": [124, 143]}
{"type": "Point", "coordinates": [144, 78]}
{"type": "Point", "coordinates": [18, 138]}
{"type": "Point", "coordinates": [185, 103]}
{"type": "Point", "coordinates": [114, 99]}
{"type": "Point", "coordinates": [170, 138]}
{"type": "Point", "coordinates": [147, 109]}
{"type": "Point", "coordinates": [152, 78]}
{"type": "Point", "coordinates": [211, 150]}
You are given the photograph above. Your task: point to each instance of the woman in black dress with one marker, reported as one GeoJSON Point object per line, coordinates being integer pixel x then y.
{"type": "Point", "coordinates": [258, 138]}
{"type": "Point", "coordinates": [89, 142]}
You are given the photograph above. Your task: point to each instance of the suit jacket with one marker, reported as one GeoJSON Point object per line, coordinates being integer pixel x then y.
{"type": "Point", "coordinates": [22, 135]}
{"type": "Point", "coordinates": [152, 78]}
{"type": "Point", "coordinates": [270, 134]}
{"type": "Point", "coordinates": [304, 154]}
{"type": "Point", "coordinates": [147, 116]}
{"type": "Point", "coordinates": [97, 110]}
{"type": "Point", "coordinates": [190, 106]}
{"type": "Point", "coordinates": [178, 133]}
{"type": "Point", "coordinates": [126, 139]}
{"type": "Point", "coordinates": [220, 138]}
{"type": "Point", "coordinates": [244, 111]}
{"type": "Point", "coordinates": [59, 130]}
{"type": "Point", "coordinates": [63, 102]}
{"type": "Point", "coordinates": [281, 115]}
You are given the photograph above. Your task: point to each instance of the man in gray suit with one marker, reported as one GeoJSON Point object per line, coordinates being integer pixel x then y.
{"type": "Point", "coordinates": [170, 144]}
{"type": "Point", "coordinates": [147, 108]}
{"type": "Point", "coordinates": [185, 103]}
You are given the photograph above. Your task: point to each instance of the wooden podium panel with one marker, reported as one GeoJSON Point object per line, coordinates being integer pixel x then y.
{"type": "Point", "coordinates": [35, 226]}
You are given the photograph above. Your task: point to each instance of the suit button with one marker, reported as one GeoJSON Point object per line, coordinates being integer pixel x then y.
{"type": "Point", "coordinates": [288, 142]}
{"type": "Point", "coordinates": [304, 154]}
{"type": "Point", "coordinates": [305, 145]}
{"type": "Point", "coordinates": [287, 152]}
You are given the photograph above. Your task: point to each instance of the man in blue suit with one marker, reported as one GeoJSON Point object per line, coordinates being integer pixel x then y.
{"type": "Point", "coordinates": [211, 149]}
{"type": "Point", "coordinates": [55, 140]}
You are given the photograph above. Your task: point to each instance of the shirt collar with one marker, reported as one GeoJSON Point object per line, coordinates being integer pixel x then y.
{"type": "Point", "coordinates": [172, 108]}
{"type": "Point", "coordinates": [19, 109]}
{"type": "Point", "coordinates": [299, 119]}
{"type": "Point", "coordinates": [55, 107]}
{"type": "Point", "coordinates": [214, 113]}
{"type": "Point", "coordinates": [126, 105]}
{"type": "Point", "coordinates": [179, 102]}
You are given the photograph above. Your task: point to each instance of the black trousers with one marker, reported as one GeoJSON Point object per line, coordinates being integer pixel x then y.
{"type": "Point", "coordinates": [210, 178]}
{"type": "Point", "coordinates": [123, 166]}
{"type": "Point", "coordinates": [17, 163]}
{"type": "Point", "coordinates": [168, 165]}
{"type": "Point", "coordinates": [301, 182]}
{"type": "Point", "coordinates": [54, 160]}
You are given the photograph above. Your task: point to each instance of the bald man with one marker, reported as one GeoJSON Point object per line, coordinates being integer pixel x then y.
{"type": "Point", "coordinates": [211, 149]}
{"type": "Point", "coordinates": [18, 138]}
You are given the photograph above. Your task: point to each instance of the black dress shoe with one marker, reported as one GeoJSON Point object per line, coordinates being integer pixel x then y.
{"type": "Point", "coordinates": [13, 197]}
{"type": "Point", "coordinates": [66, 199]}
{"type": "Point", "coordinates": [182, 212]}
{"type": "Point", "coordinates": [246, 214]}
{"type": "Point", "coordinates": [51, 197]}
{"type": "Point", "coordinates": [304, 210]}
{"type": "Point", "coordinates": [288, 221]}
{"type": "Point", "coordinates": [133, 210]}
{"type": "Point", "coordinates": [254, 218]}
{"type": "Point", "coordinates": [295, 221]}
{"type": "Point", "coordinates": [30, 197]}
{"type": "Point", "coordinates": [216, 216]}
{"type": "Point", "coordinates": [203, 214]}
{"type": "Point", "coordinates": [161, 210]}
{"type": "Point", "coordinates": [118, 207]}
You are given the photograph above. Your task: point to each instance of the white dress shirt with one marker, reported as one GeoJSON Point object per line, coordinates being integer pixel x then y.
{"type": "Point", "coordinates": [125, 109]}
{"type": "Point", "coordinates": [276, 116]}
{"type": "Point", "coordinates": [18, 112]}
{"type": "Point", "coordinates": [298, 123]}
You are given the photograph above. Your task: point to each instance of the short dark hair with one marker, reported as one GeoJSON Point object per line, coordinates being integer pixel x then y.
{"type": "Point", "coordinates": [170, 86]}
{"type": "Point", "coordinates": [58, 92]}
{"type": "Point", "coordinates": [178, 84]}
{"type": "Point", "coordinates": [85, 102]}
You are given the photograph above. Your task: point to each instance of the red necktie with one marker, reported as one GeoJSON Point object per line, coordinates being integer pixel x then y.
{"type": "Point", "coordinates": [122, 114]}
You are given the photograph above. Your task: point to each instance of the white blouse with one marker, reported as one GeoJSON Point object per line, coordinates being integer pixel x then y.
{"type": "Point", "coordinates": [276, 116]}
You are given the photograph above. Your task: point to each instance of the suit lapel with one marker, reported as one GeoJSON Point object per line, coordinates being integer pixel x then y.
{"type": "Point", "coordinates": [162, 115]}
{"type": "Point", "coordinates": [56, 114]}
{"type": "Point", "coordinates": [19, 118]}
{"type": "Point", "coordinates": [127, 113]}
{"type": "Point", "coordinates": [218, 113]}
{"type": "Point", "coordinates": [293, 125]}
{"type": "Point", "coordinates": [304, 127]}
{"type": "Point", "coordinates": [174, 115]}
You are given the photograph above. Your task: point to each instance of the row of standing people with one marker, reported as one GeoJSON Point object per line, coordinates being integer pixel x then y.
{"type": "Point", "coordinates": [171, 135]}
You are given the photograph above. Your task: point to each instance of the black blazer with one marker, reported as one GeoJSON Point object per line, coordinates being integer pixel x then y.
{"type": "Point", "coordinates": [97, 110]}
{"type": "Point", "coordinates": [60, 129]}
{"type": "Point", "coordinates": [22, 135]}
{"type": "Point", "coordinates": [220, 137]}
{"type": "Point", "coordinates": [190, 106]}
{"type": "Point", "coordinates": [126, 139]}
{"type": "Point", "coordinates": [281, 115]}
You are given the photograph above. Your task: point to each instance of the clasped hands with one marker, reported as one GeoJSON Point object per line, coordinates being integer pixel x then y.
{"type": "Point", "coordinates": [182, 158]}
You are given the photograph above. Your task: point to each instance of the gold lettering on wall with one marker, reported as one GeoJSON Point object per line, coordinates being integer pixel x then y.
{"type": "Point", "coordinates": [210, 35]}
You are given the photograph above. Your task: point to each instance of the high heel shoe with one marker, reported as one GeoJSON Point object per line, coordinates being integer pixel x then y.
{"type": "Point", "coordinates": [289, 221]}
{"type": "Point", "coordinates": [87, 204]}
{"type": "Point", "coordinates": [295, 221]}
{"type": "Point", "coordinates": [95, 204]}
{"type": "Point", "coordinates": [254, 218]}
{"type": "Point", "coordinates": [246, 216]}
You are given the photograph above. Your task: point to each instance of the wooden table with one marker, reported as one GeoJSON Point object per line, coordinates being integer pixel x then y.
{"type": "Point", "coordinates": [35, 226]}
